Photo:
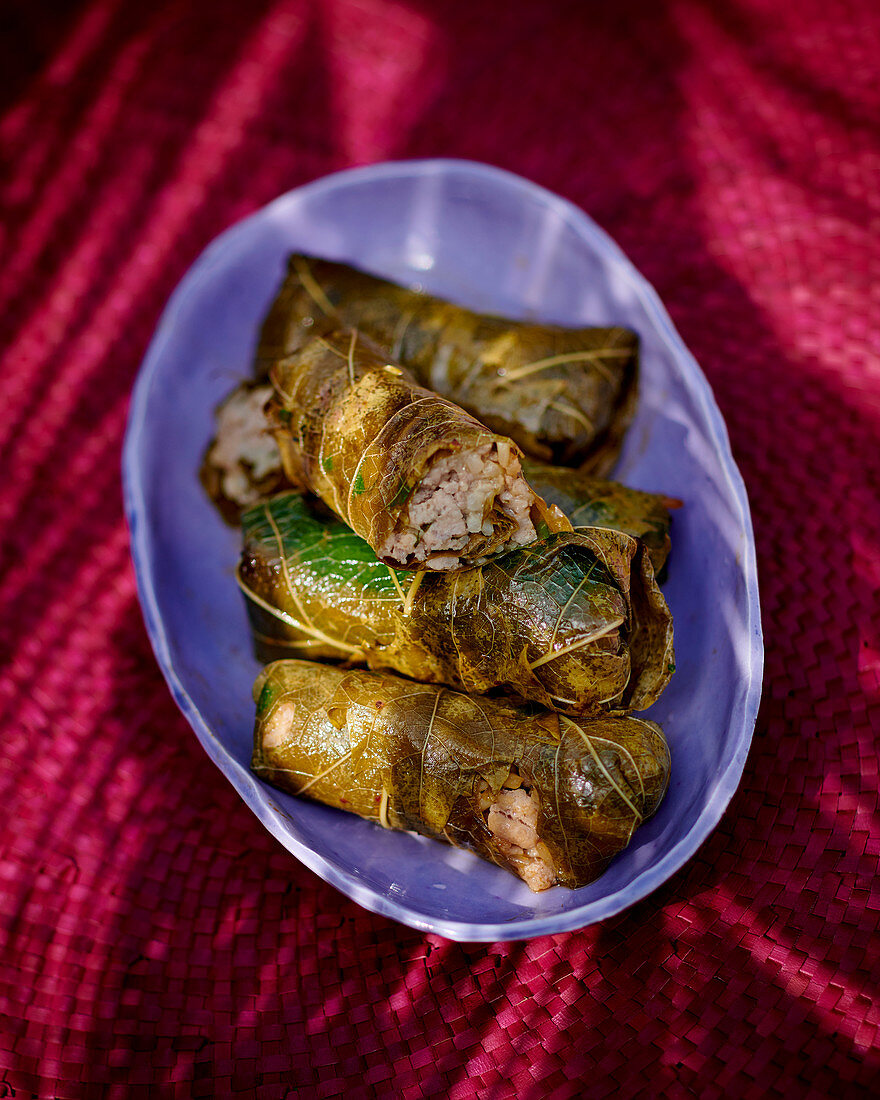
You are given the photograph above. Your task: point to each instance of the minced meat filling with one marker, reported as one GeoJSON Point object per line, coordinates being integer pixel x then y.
{"type": "Point", "coordinates": [453, 505]}
{"type": "Point", "coordinates": [513, 822]}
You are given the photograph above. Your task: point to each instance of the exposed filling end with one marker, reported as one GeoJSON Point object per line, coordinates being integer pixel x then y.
{"type": "Point", "coordinates": [244, 451]}
{"type": "Point", "coordinates": [512, 819]}
{"type": "Point", "coordinates": [456, 507]}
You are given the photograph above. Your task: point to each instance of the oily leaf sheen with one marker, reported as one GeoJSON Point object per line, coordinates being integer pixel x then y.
{"type": "Point", "coordinates": [593, 502]}
{"type": "Point", "coordinates": [575, 621]}
{"type": "Point", "coordinates": [358, 432]}
{"type": "Point", "coordinates": [412, 756]}
{"type": "Point", "coordinates": [564, 395]}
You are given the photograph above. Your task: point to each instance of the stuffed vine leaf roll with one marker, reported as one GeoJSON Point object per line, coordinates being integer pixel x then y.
{"type": "Point", "coordinates": [563, 395]}
{"type": "Point", "coordinates": [551, 798]}
{"type": "Point", "coordinates": [573, 621]}
{"type": "Point", "coordinates": [418, 478]}
{"type": "Point", "coordinates": [243, 466]}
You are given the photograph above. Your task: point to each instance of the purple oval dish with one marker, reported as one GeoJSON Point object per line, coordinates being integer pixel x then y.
{"type": "Point", "coordinates": [495, 242]}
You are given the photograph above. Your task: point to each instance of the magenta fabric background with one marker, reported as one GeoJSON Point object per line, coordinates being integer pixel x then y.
{"type": "Point", "coordinates": [156, 942]}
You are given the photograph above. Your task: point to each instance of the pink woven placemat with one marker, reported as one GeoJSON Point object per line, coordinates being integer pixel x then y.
{"type": "Point", "coordinates": [155, 940]}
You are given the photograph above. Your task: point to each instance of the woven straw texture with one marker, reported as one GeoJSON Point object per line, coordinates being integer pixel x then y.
{"type": "Point", "coordinates": [154, 940]}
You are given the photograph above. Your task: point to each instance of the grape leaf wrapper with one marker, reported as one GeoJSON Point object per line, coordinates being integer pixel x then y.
{"type": "Point", "coordinates": [589, 501]}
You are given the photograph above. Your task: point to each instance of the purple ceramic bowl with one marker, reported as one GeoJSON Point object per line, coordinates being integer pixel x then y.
{"type": "Point", "coordinates": [494, 242]}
